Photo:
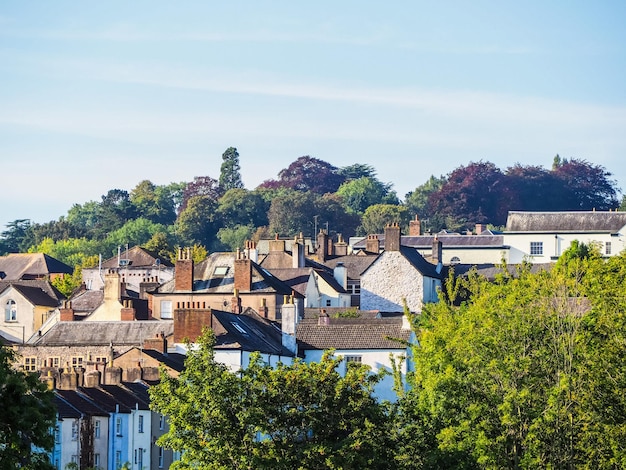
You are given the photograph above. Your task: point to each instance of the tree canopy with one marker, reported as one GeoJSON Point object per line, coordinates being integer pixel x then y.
{"type": "Point", "coordinates": [293, 416]}
{"type": "Point", "coordinates": [26, 416]}
{"type": "Point", "coordinates": [230, 174]}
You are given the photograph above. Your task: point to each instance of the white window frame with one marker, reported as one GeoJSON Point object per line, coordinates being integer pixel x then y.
{"type": "Point", "coordinates": [75, 429]}
{"type": "Point", "coordinates": [96, 429]}
{"type": "Point", "coordinates": [161, 457]}
{"type": "Point", "coordinates": [140, 423]}
{"type": "Point", "coordinates": [30, 364]}
{"type": "Point", "coordinates": [118, 426]}
{"type": "Point", "coordinates": [607, 248]}
{"type": "Point", "coordinates": [166, 309]}
{"type": "Point", "coordinates": [536, 248]}
{"type": "Point", "coordinates": [118, 459]}
{"type": "Point", "coordinates": [10, 311]}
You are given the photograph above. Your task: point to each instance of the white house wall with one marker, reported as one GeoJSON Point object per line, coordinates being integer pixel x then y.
{"type": "Point", "coordinates": [377, 359]}
{"type": "Point", "coordinates": [22, 328]}
{"type": "Point", "coordinates": [388, 282]}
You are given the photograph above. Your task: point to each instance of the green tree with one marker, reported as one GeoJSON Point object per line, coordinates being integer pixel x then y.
{"type": "Point", "coordinates": [416, 201]}
{"type": "Point", "coordinates": [358, 194]}
{"type": "Point", "coordinates": [235, 237]}
{"type": "Point", "coordinates": [238, 206]}
{"type": "Point", "coordinates": [376, 217]}
{"type": "Point", "coordinates": [15, 237]}
{"type": "Point", "coordinates": [195, 223]}
{"type": "Point", "coordinates": [154, 203]}
{"type": "Point", "coordinates": [26, 416]}
{"type": "Point", "coordinates": [298, 416]}
{"type": "Point", "coordinates": [230, 174]}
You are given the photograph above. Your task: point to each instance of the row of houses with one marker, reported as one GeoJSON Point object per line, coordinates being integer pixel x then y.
{"type": "Point", "coordinates": [284, 298]}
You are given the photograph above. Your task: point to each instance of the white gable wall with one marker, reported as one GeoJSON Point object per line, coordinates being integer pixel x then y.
{"type": "Point", "coordinates": [389, 281]}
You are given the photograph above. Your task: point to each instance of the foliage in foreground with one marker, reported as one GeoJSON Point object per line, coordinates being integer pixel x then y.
{"type": "Point", "coordinates": [26, 416]}
{"type": "Point", "coordinates": [527, 373]}
{"type": "Point", "coordinates": [298, 416]}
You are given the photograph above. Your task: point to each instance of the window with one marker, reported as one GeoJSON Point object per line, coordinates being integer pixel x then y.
{"type": "Point", "coordinates": [10, 311]}
{"type": "Point", "coordinates": [77, 361]}
{"type": "Point", "coordinates": [118, 426]}
{"type": "Point", "coordinates": [166, 309]}
{"type": "Point", "coordinates": [607, 248]}
{"type": "Point", "coordinates": [96, 460]}
{"type": "Point", "coordinates": [536, 248]}
{"type": "Point", "coordinates": [54, 362]}
{"type": "Point", "coordinates": [161, 457]}
{"type": "Point", "coordinates": [328, 302]}
{"type": "Point", "coordinates": [75, 459]}
{"type": "Point", "coordinates": [74, 429]}
{"type": "Point", "coordinates": [220, 271]}
{"type": "Point", "coordinates": [100, 359]}
{"type": "Point", "coordinates": [161, 422]}
{"type": "Point", "coordinates": [140, 459]}
{"type": "Point", "coordinates": [57, 434]}
{"type": "Point", "coordinates": [30, 364]}
{"type": "Point", "coordinates": [352, 359]}
{"type": "Point", "coordinates": [455, 260]}
{"type": "Point", "coordinates": [118, 459]}
{"type": "Point", "coordinates": [140, 424]}
{"type": "Point", "coordinates": [96, 429]}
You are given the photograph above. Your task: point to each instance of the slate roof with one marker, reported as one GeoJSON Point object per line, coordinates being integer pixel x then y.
{"type": "Point", "coordinates": [38, 291]}
{"type": "Point", "coordinates": [174, 361]}
{"type": "Point", "coordinates": [81, 402]}
{"type": "Point", "coordinates": [296, 278]}
{"type": "Point", "coordinates": [490, 271]}
{"type": "Point", "coordinates": [101, 333]}
{"type": "Point", "coordinates": [355, 265]}
{"type": "Point", "coordinates": [576, 221]}
{"type": "Point", "coordinates": [16, 266]}
{"type": "Point", "coordinates": [64, 408]}
{"type": "Point", "coordinates": [249, 331]}
{"type": "Point", "coordinates": [87, 301]}
{"type": "Point", "coordinates": [206, 280]}
{"type": "Point", "coordinates": [484, 240]}
{"type": "Point", "coordinates": [346, 333]}
{"type": "Point", "coordinates": [138, 257]}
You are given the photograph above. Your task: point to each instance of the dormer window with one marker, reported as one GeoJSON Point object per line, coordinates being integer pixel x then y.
{"type": "Point", "coordinates": [220, 271]}
{"type": "Point", "coordinates": [10, 311]}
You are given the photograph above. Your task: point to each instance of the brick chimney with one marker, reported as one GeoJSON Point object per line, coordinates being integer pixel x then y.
{"type": "Point", "coordinates": [128, 312]}
{"type": "Point", "coordinates": [158, 343]}
{"type": "Point", "coordinates": [480, 228]}
{"type": "Point", "coordinates": [252, 252]}
{"type": "Point", "coordinates": [189, 323]}
{"type": "Point", "coordinates": [341, 247]}
{"type": "Point", "coordinates": [243, 273]}
{"type": "Point", "coordinates": [184, 271]}
{"type": "Point", "coordinates": [263, 309]}
{"type": "Point", "coordinates": [235, 303]}
{"type": "Point", "coordinates": [392, 237]}
{"type": "Point", "coordinates": [372, 245]}
{"type": "Point", "coordinates": [112, 286]}
{"type": "Point", "coordinates": [323, 319]}
{"type": "Point", "coordinates": [146, 286]}
{"type": "Point", "coordinates": [322, 246]}
{"type": "Point", "coordinates": [415, 227]}
{"type": "Point", "coordinates": [66, 313]}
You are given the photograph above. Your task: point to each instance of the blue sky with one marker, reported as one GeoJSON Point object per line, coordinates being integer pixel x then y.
{"type": "Point", "coordinates": [102, 95]}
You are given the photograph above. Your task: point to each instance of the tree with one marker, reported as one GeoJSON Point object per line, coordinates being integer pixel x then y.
{"type": "Point", "coordinates": [200, 186]}
{"type": "Point", "coordinates": [308, 174]}
{"type": "Point", "coordinates": [239, 206]}
{"type": "Point", "coordinates": [358, 194]}
{"type": "Point", "coordinates": [292, 212]}
{"type": "Point", "coordinates": [357, 170]}
{"type": "Point", "coordinates": [476, 193]}
{"type": "Point", "coordinates": [376, 217]}
{"type": "Point", "coordinates": [113, 212]}
{"type": "Point", "coordinates": [26, 416]}
{"type": "Point", "coordinates": [195, 223]}
{"type": "Point", "coordinates": [533, 188]}
{"type": "Point", "coordinates": [235, 237]}
{"type": "Point", "coordinates": [154, 203]}
{"type": "Point", "coordinates": [230, 175]}
{"type": "Point", "coordinates": [587, 186]}
{"type": "Point", "coordinates": [517, 375]}
{"type": "Point", "coordinates": [13, 239]}
{"type": "Point", "coordinates": [297, 416]}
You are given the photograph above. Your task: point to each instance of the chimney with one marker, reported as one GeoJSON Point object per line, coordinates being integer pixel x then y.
{"type": "Point", "coordinates": [392, 237]}
{"type": "Point", "coordinates": [263, 310]}
{"type": "Point", "coordinates": [189, 323]}
{"type": "Point", "coordinates": [372, 245]}
{"type": "Point", "coordinates": [147, 286]}
{"type": "Point", "coordinates": [277, 244]}
{"type": "Point", "coordinates": [66, 313]}
{"type": "Point", "coordinates": [184, 271]}
{"type": "Point", "coordinates": [415, 227]}
{"type": "Point", "coordinates": [93, 379]}
{"type": "Point", "coordinates": [341, 247]}
{"type": "Point", "coordinates": [128, 311]}
{"type": "Point", "coordinates": [323, 319]}
{"type": "Point", "coordinates": [322, 246]}
{"type": "Point", "coordinates": [289, 319]}
{"type": "Point", "coordinates": [243, 273]}
{"type": "Point", "coordinates": [480, 228]}
{"type": "Point", "coordinates": [297, 254]}
{"type": "Point", "coordinates": [437, 251]}
{"type": "Point", "coordinates": [158, 343]}
{"type": "Point", "coordinates": [340, 273]}
{"type": "Point", "coordinates": [235, 303]}
{"type": "Point", "coordinates": [252, 253]}
{"type": "Point", "coordinates": [112, 286]}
